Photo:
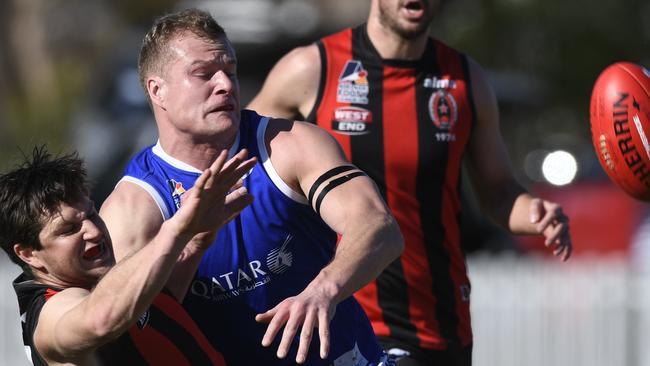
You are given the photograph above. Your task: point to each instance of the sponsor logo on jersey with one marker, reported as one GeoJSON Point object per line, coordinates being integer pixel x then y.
{"type": "Point", "coordinates": [143, 320]}
{"type": "Point", "coordinates": [433, 82]}
{"type": "Point", "coordinates": [177, 191]}
{"type": "Point", "coordinates": [353, 84]}
{"type": "Point", "coordinates": [444, 114]}
{"type": "Point", "coordinates": [280, 259]}
{"type": "Point", "coordinates": [352, 121]}
{"type": "Point", "coordinates": [246, 278]}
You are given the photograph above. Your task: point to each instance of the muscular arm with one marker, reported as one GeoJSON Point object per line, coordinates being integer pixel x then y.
{"type": "Point", "coordinates": [504, 199]}
{"type": "Point", "coordinates": [75, 322]}
{"type": "Point", "coordinates": [370, 237]}
{"type": "Point", "coordinates": [290, 88]}
{"type": "Point", "coordinates": [133, 219]}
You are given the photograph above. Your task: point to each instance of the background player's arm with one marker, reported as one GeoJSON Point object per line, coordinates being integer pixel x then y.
{"type": "Point", "coordinates": [505, 200]}
{"type": "Point", "coordinates": [77, 321]}
{"type": "Point", "coordinates": [370, 237]}
{"type": "Point", "coordinates": [290, 88]}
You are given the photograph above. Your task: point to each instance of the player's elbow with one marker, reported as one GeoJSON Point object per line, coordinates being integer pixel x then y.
{"type": "Point", "coordinates": [103, 327]}
{"type": "Point", "coordinates": [393, 239]}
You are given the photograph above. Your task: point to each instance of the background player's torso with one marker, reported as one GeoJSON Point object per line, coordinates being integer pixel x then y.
{"type": "Point", "coordinates": [407, 124]}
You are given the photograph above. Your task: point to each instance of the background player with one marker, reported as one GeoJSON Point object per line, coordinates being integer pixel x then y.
{"type": "Point", "coordinates": [406, 109]}
{"type": "Point", "coordinates": [75, 308]}
{"type": "Point", "coordinates": [279, 258]}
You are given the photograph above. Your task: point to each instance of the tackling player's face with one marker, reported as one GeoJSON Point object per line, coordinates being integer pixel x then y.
{"type": "Point", "coordinates": [407, 18]}
{"type": "Point", "coordinates": [201, 90]}
{"type": "Point", "coordinates": [75, 247]}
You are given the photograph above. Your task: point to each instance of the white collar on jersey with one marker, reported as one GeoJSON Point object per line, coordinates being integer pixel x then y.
{"type": "Point", "coordinates": [158, 150]}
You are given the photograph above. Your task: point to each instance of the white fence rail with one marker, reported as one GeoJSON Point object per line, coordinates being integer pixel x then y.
{"type": "Point", "coordinates": [590, 312]}
{"type": "Point", "coordinates": [525, 311]}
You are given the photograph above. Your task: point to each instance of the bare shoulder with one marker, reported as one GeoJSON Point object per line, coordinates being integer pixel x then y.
{"type": "Point", "coordinates": [291, 87]}
{"type": "Point", "coordinates": [132, 217]}
{"type": "Point", "coordinates": [300, 150]}
{"type": "Point", "coordinates": [305, 58]}
{"type": "Point", "coordinates": [289, 137]}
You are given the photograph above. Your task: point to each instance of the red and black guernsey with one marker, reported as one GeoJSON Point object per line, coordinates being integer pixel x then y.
{"type": "Point", "coordinates": [164, 335]}
{"type": "Point", "coordinates": [407, 124]}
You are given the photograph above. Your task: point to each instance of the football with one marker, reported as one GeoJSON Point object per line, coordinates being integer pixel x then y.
{"type": "Point", "coordinates": [620, 126]}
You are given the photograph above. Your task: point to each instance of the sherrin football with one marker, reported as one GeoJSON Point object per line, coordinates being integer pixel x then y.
{"type": "Point", "coordinates": [620, 126]}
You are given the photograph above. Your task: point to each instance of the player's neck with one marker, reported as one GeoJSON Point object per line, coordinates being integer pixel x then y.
{"type": "Point", "coordinates": [192, 151]}
{"type": "Point", "coordinates": [392, 46]}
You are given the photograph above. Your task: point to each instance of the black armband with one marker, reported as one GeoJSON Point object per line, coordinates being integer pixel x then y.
{"type": "Point", "coordinates": [331, 184]}
{"type": "Point", "coordinates": [327, 175]}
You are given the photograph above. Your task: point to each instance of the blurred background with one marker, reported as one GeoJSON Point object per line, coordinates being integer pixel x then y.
{"type": "Point", "coordinates": [68, 78]}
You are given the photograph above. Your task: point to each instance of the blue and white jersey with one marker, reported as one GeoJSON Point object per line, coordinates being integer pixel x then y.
{"type": "Point", "coordinates": [270, 252]}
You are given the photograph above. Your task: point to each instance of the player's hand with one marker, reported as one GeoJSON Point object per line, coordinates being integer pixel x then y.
{"type": "Point", "coordinates": [313, 308]}
{"type": "Point", "coordinates": [553, 224]}
{"type": "Point", "coordinates": [216, 198]}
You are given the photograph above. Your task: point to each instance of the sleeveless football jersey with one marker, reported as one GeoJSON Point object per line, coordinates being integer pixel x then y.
{"type": "Point", "coordinates": [164, 335]}
{"type": "Point", "coordinates": [407, 124]}
{"type": "Point", "coordinates": [270, 252]}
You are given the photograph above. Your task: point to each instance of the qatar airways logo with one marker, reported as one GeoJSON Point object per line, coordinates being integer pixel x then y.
{"type": "Point", "coordinates": [247, 278]}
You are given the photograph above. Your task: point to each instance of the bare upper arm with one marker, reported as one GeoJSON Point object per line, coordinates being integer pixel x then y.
{"type": "Point", "coordinates": [318, 152]}
{"type": "Point", "coordinates": [291, 87]}
{"type": "Point", "coordinates": [61, 332]}
{"type": "Point", "coordinates": [132, 218]}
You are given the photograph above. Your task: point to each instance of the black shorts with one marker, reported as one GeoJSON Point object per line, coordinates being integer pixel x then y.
{"type": "Point", "coordinates": [425, 357]}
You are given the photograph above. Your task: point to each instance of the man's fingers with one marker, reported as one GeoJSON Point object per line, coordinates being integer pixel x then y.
{"type": "Point", "coordinates": [290, 330]}
{"type": "Point", "coordinates": [266, 317]}
{"type": "Point", "coordinates": [229, 178]}
{"type": "Point", "coordinates": [553, 214]}
{"type": "Point", "coordinates": [236, 201]}
{"type": "Point", "coordinates": [324, 334]}
{"type": "Point", "coordinates": [199, 184]}
{"type": "Point", "coordinates": [217, 165]}
{"type": "Point", "coordinates": [567, 251]}
{"type": "Point", "coordinates": [553, 233]}
{"type": "Point", "coordinates": [535, 210]}
{"type": "Point", "coordinates": [305, 336]}
{"type": "Point", "coordinates": [277, 321]}
{"type": "Point", "coordinates": [234, 162]}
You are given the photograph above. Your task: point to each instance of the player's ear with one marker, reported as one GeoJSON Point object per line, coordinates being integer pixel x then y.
{"type": "Point", "coordinates": [156, 90]}
{"type": "Point", "coordinates": [28, 255]}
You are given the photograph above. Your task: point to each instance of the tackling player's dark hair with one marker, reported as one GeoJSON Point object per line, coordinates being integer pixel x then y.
{"type": "Point", "coordinates": [32, 192]}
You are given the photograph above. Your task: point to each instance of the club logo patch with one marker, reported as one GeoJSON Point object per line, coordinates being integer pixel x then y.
{"type": "Point", "coordinates": [443, 110]}
{"type": "Point", "coordinates": [353, 84]}
{"type": "Point", "coordinates": [177, 191]}
{"type": "Point", "coordinates": [351, 121]}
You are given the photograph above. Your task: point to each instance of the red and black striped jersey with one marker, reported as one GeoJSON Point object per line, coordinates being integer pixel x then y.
{"type": "Point", "coordinates": [407, 125]}
{"type": "Point", "coordinates": [164, 335]}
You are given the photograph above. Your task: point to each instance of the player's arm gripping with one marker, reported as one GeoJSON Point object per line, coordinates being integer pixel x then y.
{"type": "Point", "coordinates": [133, 219]}
{"type": "Point", "coordinates": [370, 236]}
{"type": "Point", "coordinates": [504, 199]}
{"type": "Point", "coordinates": [77, 321]}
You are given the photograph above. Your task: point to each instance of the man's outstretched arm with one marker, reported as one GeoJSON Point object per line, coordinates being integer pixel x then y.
{"type": "Point", "coordinates": [76, 321]}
